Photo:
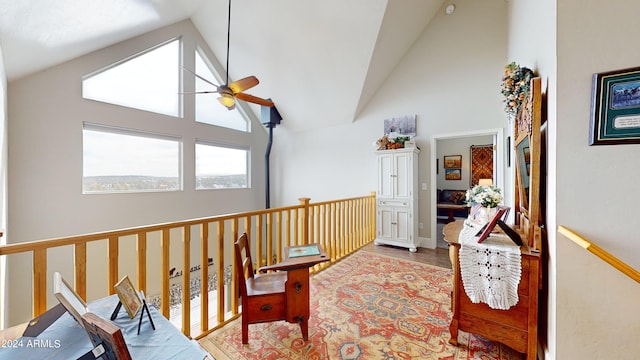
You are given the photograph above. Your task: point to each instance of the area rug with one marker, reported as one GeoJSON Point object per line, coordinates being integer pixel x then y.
{"type": "Point", "coordinates": [367, 306]}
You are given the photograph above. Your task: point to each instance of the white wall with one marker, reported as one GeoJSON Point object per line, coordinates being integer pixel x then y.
{"type": "Point", "coordinates": [3, 180]}
{"type": "Point", "coordinates": [46, 113]}
{"type": "Point", "coordinates": [592, 309]}
{"type": "Point", "coordinates": [532, 43]}
{"type": "Point", "coordinates": [450, 79]}
{"type": "Point", "coordinates": [597, 307]}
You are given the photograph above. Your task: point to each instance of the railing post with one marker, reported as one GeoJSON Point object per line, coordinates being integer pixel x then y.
{"type": "Point", "coordinates": [305, 219]}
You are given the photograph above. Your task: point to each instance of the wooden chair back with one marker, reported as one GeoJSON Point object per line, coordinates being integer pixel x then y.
{"type": "Point", "coordinates": [244, 263]}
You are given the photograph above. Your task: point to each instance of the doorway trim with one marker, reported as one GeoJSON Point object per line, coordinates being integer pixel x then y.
{"type": "Point", "coordinates": [498, 134]}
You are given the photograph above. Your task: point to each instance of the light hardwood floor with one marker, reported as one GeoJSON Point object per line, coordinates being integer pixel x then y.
{"type": "Point", "coordinates": [437, 257]}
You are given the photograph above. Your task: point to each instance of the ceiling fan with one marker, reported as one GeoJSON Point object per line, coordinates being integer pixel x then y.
{"type": "Point", "coordinates": [229, 92]}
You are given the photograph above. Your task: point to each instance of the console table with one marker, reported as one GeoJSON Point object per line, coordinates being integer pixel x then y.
{"type": "Point", "coordinates": [451, 208]}
{"type": "Point", "coordinates": [516, 327]}
{"type": "Point", "coordinates": [66, 340]}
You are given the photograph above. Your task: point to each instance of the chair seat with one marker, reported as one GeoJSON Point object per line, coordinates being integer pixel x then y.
{"type": "Point", "coordinates": [263, 284]}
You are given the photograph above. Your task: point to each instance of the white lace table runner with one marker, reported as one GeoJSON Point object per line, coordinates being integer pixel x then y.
{"type": "Point", "coordinates": [490, 270]}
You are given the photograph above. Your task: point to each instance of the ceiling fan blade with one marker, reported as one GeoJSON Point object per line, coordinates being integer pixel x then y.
{"type": "Point", "coordinates": [198, 92]}
{"type": "Point", "coordinates": [200, 77]}
{"type": "Point", "coordinates": [243, 84]}
{"type": "Point", "coordinates": [254, 99]}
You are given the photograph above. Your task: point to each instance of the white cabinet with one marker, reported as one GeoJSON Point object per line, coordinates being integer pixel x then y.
{"type": "Point", "coordinates": [397, 198]}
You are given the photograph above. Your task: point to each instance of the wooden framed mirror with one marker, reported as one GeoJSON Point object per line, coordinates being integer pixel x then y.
{"type": "Point", "coordinates": [527, 146]}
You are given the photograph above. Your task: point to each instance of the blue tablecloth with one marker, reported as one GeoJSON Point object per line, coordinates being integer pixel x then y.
{"type": "Point", "coordinates": [65, 339]}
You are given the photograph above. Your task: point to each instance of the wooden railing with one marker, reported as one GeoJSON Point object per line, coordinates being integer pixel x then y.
{"type": "Point", "coordinates": [339, 226]}
{"type": "Point", "coordinates": [601, 253]}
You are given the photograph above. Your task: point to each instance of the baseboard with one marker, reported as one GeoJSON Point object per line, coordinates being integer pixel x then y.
{"type": "Point", "coordinates": [427, 243]}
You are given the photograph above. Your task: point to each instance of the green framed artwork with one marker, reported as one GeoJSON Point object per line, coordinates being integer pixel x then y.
{"type": "Point", "coordinates": [615, 107]}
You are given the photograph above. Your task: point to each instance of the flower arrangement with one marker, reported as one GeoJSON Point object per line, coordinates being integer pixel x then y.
{"type": "Point", "coordinates": [515, 85]}
{"type": "Point", "coordinates": [485, 195]}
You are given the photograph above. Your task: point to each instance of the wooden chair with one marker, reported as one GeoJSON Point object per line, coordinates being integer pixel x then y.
{"type": "Point", "coordinates": [263, 295]}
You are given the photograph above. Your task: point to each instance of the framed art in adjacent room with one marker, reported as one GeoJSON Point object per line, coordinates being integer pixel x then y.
{"type": "Point", "coordinates": [453, 174]}
{"type": "Point", "coordinates": [615, 107]}
{"type": "Point", "coordinates": [453, 161]}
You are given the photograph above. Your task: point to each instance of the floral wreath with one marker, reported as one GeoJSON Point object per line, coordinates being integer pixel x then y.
{"type": "Point", "coordinates": [515, 86]}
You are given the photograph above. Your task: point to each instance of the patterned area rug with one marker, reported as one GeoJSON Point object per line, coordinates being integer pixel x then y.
{"type": "Point", "coordinates": [367, 306]}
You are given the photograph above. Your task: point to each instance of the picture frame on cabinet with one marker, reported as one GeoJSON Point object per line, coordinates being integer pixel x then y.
{"type": "Point", "coordinates": [615, 107]}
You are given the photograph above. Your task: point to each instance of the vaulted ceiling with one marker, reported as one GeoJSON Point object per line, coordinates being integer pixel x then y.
{"type": "Point", "coordinates": [320, 61]}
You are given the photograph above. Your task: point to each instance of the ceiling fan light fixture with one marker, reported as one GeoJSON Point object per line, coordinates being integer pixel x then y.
{"type": "Point", "coordinates": [227, 100]}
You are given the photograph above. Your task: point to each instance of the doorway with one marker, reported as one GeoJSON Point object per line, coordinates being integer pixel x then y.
{"type": "Point", "coordinates": [443, 142]}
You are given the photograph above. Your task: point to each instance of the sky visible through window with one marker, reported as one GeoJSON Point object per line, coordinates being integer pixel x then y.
{"type": "Point", "coordinates": [148, 82]}
{"type": "Point", "coordinates": [220, 167]}
{"type": "Point", "coordinates": [122, 162]}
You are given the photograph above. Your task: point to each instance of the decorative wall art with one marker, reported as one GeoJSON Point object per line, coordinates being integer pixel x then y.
{"type": "Point", "coordinates": [403, 126]}
{"type": "Point", "coordinates": [481, 163]}
{"type": "Point", "coordinates": [453, 174]}
{"type": "Point", "coordinates": [453, 161]}
{"type": "Point", "coordinates": [615, 108]}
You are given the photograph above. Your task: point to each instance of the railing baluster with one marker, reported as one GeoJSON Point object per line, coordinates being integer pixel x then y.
{"type": "Point", "coordinates": [186, 280]}
{"type": "Point", "coordinates": [287, 222]}
{"type": "Point", "coordinates": [113, 264]}
{"type": "Point", "coordinates": [165, 244]}
{"type": "Point", "coordinates": [204, 276]}
{"type": "Point", "coordinates": [259, 239]}
{"type": "Point", "coordinates": [296, 227]}
{"type": "Point", "coordinates": [279, 236]}
{"type": "Point", "coordinates": [269, 238]}
{"type": "Point", "coordinates": [39, 281]}
{"type": "Point", "coordinates": [142, 261]}
{"type": "Point", "coordinates": [80, 269]}
{"type": "Point", "coordinates": [220, 288]}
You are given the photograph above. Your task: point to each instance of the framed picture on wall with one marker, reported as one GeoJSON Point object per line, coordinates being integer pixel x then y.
{"type": "Point", "coordinates": [403, 125]}
{"type": "Point", "coordinates": [453, 174]}
{"type": "Point", "coordinates": [615, 108]}
{"type": "Point", "coordinates": [453, 161]}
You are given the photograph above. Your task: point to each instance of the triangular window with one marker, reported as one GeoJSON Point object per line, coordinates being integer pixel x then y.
{"type": "Point", "coordinates": [208, 109]}
{"type": "Point", "coordinates": [149, 81]}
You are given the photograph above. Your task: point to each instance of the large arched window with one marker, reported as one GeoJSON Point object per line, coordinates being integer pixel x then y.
{"type": "Point", "coordinates": [121, 159]}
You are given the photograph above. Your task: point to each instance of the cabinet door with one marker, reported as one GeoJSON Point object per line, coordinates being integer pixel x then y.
{"type": "Point", "coordinates": [402, 225]}
{"type": "Point", "coordinates": [385, 176]}
{"type": "Point", "coordinates": [385, 223]}
{"type": "Point", "coordinates": [403, 175]}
